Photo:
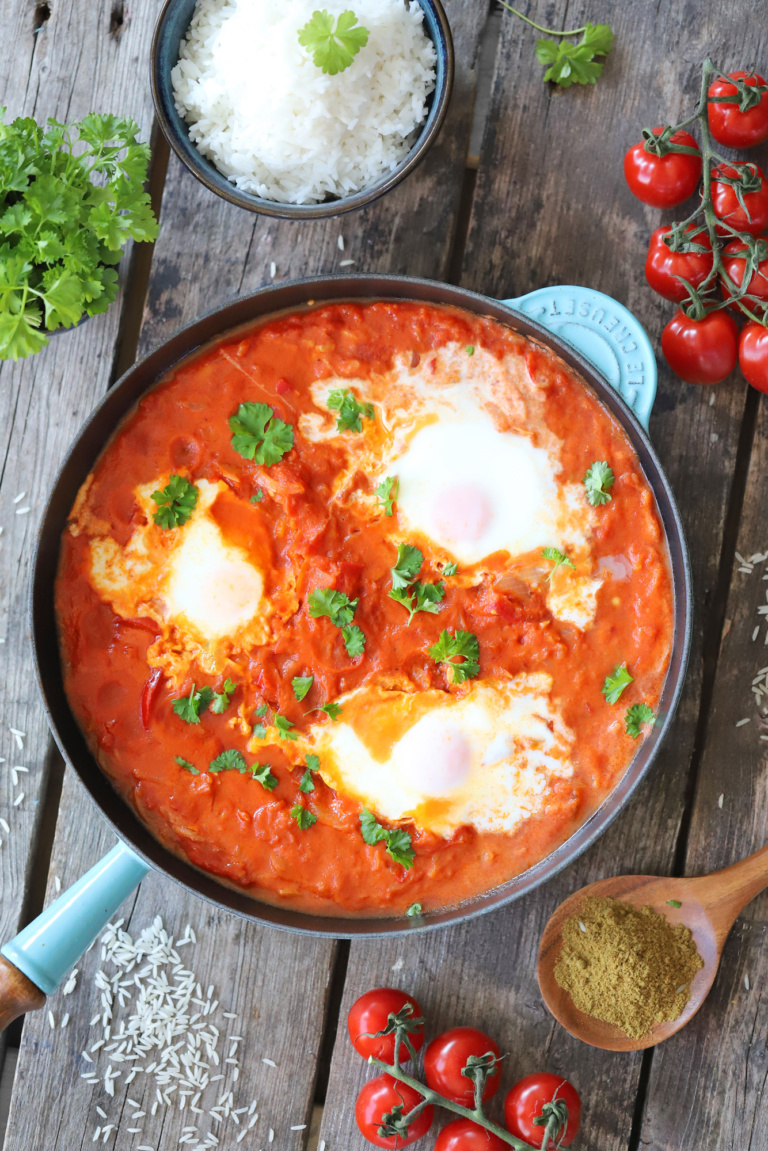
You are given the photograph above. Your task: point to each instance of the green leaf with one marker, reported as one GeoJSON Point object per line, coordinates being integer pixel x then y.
{"type": "Point", "coordinates": [398, 842]}
{"type": "Point", "coordinates": [674, 903]}
{"type": "Point", "coordinates": [301, 685]}
{"type": "Point", "coordinates": [637, 715]}
{"type": "Point", "coordinates": [306, 785]}
{"type": "Point", "coordinates": [175, 503]}
{"type": "Point", "coordinates": [229, 760]}
{"type": "Point", "coordinates": [62, 298]}
{"type": "Point", "coordinates": [221, 699]}
{"type": "Point", "coordinates": [407, 566]}
{"type": "Point", "coordinates": [350, 411]}
{"type": "Point", "coordinates": [189, 707]}
{"type": "Point", "coordinates": [575, 63]}
{"type": "Point", "coordinates": [260, 711]}
{"type": "Point", "coordinates": [303, 816]}
{"type": "Point", "coordinates": [560, 559]}
{"type": "Point", "coordinates": [190, 767]}
{"type": "Point", "coordinates": [284, 726]}
{"type": "Point", "coordinates": [259, 435]}
{"type": "Point", "coordinates": [598, 480]}
{"type": "Point", "coordinates": [257, 497]}
{"type": "Point", "coordinates": [414, 910]}
{"type": "Point", "coordinates": [354, 640]}
{"type": "Point", "coordinates": [461, 644]}
{"type": "Point", "coordinates": [616, 683]}
{"type": "Point", "coordinates": [332, 710]}
{"type": "Point", "coordinates": [470, 349]}
{"type": "Point", "coordinates": [387, 493]}
{"type": "Point", "coordinates": [450, 569]}
{"type": "Point", "coordinates": [333, 45]}
{"type": "Point", "coordinates": [262, 773]}
{"type": "Point", "coordinates": [313, 762]}
{"type": "Point", "coordinates": [339, 608]}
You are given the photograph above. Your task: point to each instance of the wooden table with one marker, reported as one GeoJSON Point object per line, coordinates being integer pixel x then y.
{"type": "Point", "coordinates": [546, 204]}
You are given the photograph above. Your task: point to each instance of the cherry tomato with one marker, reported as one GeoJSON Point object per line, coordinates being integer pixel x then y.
{"type": "Point", "coordinates": [525, 1102]}
{"type": "Point", "coordinates": [734, 262]}
{"type": "Point", "coordinates": [727, 207]}
{"type": "Point", "coordinates": [753, 355]}
{"type": "Point", "coordinates": [448, 1054]}
{"type": "Point", "coordinates": [663, 181]}
{"type": "Point", "coordinates": [370, 1013]}
{"type": "Point", "coordinates": [701, 351]}
{"type": "Point", "coordinates": [662, 265]}
{"type": "Point", "coordinates": [728, 124]}
{"type": "Point", "coordinates": [382, 1095]}
{"type": "Point", "coordinates": [464, 1135]}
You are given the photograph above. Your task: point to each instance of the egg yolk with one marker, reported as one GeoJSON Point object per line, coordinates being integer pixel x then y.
{"type": "Point", "coordinates": [462, 513]}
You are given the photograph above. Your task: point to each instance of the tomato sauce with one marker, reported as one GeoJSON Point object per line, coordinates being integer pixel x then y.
{"type": "Point", "coordinates": [121, 692]}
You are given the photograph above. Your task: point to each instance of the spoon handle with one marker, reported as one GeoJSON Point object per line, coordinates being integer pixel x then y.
{"type": "Point", "coordinates": [725, 893]}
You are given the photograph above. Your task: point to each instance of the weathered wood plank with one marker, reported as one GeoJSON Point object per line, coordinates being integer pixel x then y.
{"type": "Point", "coordinates": [551, 207]}
{"type": "Point", "coordinates": [71, 65]}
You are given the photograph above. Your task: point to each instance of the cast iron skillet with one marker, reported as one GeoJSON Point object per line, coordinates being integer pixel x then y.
{"type": "Point", "coordinates": [78, 464]}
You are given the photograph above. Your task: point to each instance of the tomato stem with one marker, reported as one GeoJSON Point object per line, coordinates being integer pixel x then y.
{"type": "Point", "coordinates": [540, 27]}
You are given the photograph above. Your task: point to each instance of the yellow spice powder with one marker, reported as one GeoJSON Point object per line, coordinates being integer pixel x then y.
{"type": "Point", "coordinates": [626, 965]}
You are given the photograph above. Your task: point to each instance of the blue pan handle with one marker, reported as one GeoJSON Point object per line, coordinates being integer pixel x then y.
{"type": "Point", "coordinates": [51, 944]}
{"type": "Point", "coordinates": [603, 332]}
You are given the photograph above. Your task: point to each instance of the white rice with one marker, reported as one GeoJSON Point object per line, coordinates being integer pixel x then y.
{"type": "Point", "coordinates": [276, 125]}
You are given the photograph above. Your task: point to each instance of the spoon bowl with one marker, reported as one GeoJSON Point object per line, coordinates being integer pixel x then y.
{"type": "Point", "coordinates": [709, 905]}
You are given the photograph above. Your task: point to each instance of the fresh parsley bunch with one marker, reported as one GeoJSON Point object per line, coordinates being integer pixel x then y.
{"type": "Point", "coordinates": [71, 196]}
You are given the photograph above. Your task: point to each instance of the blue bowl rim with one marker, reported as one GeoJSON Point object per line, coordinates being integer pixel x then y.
{"type": "Point", "coordinates": [174, 130]}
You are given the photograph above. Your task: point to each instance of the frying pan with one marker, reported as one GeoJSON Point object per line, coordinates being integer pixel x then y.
{"type": "Point", "coordinates": [595, 336]}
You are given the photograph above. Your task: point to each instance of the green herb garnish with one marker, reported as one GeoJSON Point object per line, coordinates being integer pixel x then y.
{"type": "Point", "coordinates": [398, 842]}
{"type": "Point", "coordinates": [450, 569]}
{"type": "Point", "coordinates": [414, 910]}
{"type": "Point", "coordinates": [339, 608]}
{"type": "Point", "coordinates": [354, 640]}
{"type": "Point", "coordinates": [332, 710]}
{"type": "Point", "coordinates": [260, 711]}
{"type": "Point", "coordinates": [407, 566]}
{"type": "Point", "coordinates": [350, 411]}
{"type": "Point", "coordinates": [303, 816]}
{"type": "Point", "coordinates": [674, 903]}
{"type": "Point", "coordinates": [560, 559]}
{"type": "Point", "coordinates": [262, 773]}
{"type": "Point", "coordinates": [306, 785]}
{"type": "Point", "coordinates": [461, 643]}
{"type": "Point", "coordinates": [190, 767]}
{"type": "Point", "coordinates": [470, 349]}
{"type": "Point", "coordinates": [598, 480]}
{"type": "Point", "coordinates": [61, 232]}
{"type": "Point", "coordinates": [221, 700]}
{"type": "Point", "coordinates": [259, 435]}
{"type": "Point", "coordinates": [301, 685]}
{"type": "Point", "coordinates": [175, 503]}
{"type": "Point", "coordinates": [571, 63]}
{"type": "Point", "coordinates": [636, 716]}
{"type": "Point", "coordinates": [387, 493]}
{"type": "Point", "coordinates": [257, 496]}
{"type": "Point", "coordinates": [189, 707]}
{"type": "Point", "coordinates": [333, 44]}
{"type": "Point", "coordinates": [284, 726]}
{"type": "Point", "coordinates": [406, 590]}
{"type": "Point", "coordinates": [229, 760]}
{"type": "Point", "coordinates": [614, 684]}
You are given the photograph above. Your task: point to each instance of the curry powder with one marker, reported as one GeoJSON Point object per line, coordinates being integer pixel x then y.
{"type": "Point", "coordinates": [626, 965]}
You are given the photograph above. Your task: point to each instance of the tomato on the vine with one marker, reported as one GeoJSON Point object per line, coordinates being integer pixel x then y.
{"type": "Point", "coordinates": [663, 266]}
{"type": "Point", "coordinates": [753, 355]}
{"type": "Point", "coordinates": [370, 1014]}
{"type": "Point", "coordinates": [753, 217]}
{"type": "Point", "coordinates": [727, 123]}
{"type": "Point", "coordinates": [447, 1055]}
{"type": "Point", "coordinates": [464, 1135]}
{"type": "Point", "coordinates": [701, 351]}
{"type": "Point", "coordinates": [380, 1096]}
{"type": "Point", "coordinates": [663, 181]}
{"type": "Point", "coordinates": [526, 1101]}
{"type": "Point", "coordinates": [735, 261]}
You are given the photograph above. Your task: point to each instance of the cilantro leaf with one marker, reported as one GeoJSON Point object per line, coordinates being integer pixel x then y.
{"type": "Point", "coordinates": [332, 710]}
{"type": "Point", "coordinates": [259, 435]}
{"type": "Point", "coordinates": [303, 816]}
{"type": "Point", "coordinates": [333, 45]}
{"type": "Point", "coordinates": [414, 910]}
{"type": "Point", "coordinates": [284, 726]}
{"type": "Point", "coordinates": [190, 767]}
{"type": "Point", "coordinates": [560, 559]}
{"type": "Point", "coordinates": [420, 597]}
{"type": "Point", "coordinates": [175, 503]}
{"type": "Point", "coordinates": [301, 685]}
{"type": "Point", "coordinates": [354, 640]}
{"type": "Point", "coordinates": [262, 773]}
{"type": "Point", "coordinates": [260, 711]}
{"type": "Point", "coordinates": [221, 700]}
{"type": "Point", "coordinates": [313, 762]}
{"type": "Point", "coordinates": [387, 493]}
{"type": "Point", "coordinates": [350, 411]}
{"type": "Point", "coordinates": [575, 63]}
{"type": "Point", "coordinates": [260, 731]}
{"type": "Point", "coordinates": [257, 496]}
{"type": "Point", "coordinates": [189, 707]}
{"type": "Point", "coordinates": [339, 608]}
{"type": "Point", "coordinates": [616, 682]}
{"type": "Point", "coordinates": [461, 643]}
{"type": "Point", "coordinates": [398, 842]}
{"type": "Point", "coordinates": [306, 785]}
{"type": "Point", "coordinates": [598, 480]}
{"type": "Point", "coordinates": [636, 716]}
{"type": "Point", "coordinates": [450, 569]}
{"type": "Point", "coordinates": [470, 349]}
{"type": "Point", "coordinates": [229, 760]}
{"type": "Point", "coordinates": [407, 566]}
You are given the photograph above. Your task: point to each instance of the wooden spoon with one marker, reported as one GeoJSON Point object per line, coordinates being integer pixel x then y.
{"type": "Point", "coordinates": [709, 907]}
